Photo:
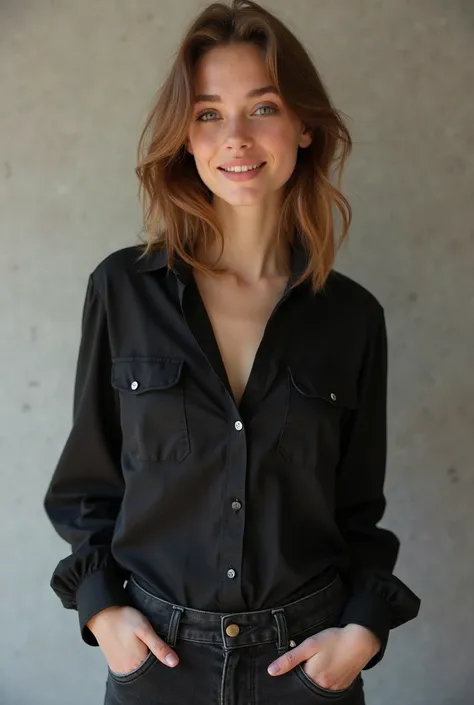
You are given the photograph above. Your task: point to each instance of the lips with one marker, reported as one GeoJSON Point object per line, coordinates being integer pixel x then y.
{"type": "Point", "coordinates": [239, 176]}
{"type": "Point", "coordinates": [224, 167]}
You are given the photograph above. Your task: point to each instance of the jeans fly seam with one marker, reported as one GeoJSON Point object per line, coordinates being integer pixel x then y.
{"type": "Point", "coordinates": [224, 668]}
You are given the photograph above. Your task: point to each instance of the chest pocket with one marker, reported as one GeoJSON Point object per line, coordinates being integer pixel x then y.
{"type": "Point", "coordinates": [152, 407]}
{"type": "Point", "coordinates": [318, 403]}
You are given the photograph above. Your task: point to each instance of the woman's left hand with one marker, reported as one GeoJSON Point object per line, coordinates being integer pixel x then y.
{"type": "Point", "coordinates": [332, 658]}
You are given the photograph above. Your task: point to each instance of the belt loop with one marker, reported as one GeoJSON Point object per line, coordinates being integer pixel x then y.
{"type": "Point", "coordinates": [282, 629]}
{"type": "Point", "coordinates": [174, 624]}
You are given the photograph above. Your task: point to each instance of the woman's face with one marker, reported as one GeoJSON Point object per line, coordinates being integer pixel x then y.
{"type": "Point", "coordinates": [240, 128]}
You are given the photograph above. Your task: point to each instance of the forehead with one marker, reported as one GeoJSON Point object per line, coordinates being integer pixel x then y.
{"type": "Point", "coordinates": [230, 67]}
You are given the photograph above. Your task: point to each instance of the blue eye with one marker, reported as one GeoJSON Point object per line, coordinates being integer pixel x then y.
{"type": "Point", "coordinates": [200, 117]}
{"type": "Point", "coordinates": [268, 107]}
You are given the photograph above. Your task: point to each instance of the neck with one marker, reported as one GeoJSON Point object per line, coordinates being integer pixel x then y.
{"type": "Point", "coordinates": [250, 245]}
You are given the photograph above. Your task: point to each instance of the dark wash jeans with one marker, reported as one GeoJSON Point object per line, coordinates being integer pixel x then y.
{"type": "Point", "coordinates": [224, 657]}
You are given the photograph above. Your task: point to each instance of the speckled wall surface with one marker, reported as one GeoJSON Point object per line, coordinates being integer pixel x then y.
{"type": "Point", "coordinates": [76, 80]}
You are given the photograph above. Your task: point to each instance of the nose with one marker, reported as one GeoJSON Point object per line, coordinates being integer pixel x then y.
{"type": "Point", "coordinates": [238, 136]}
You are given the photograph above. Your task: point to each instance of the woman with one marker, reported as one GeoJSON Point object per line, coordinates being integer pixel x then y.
{"type": "Point", "coordinates": [223, 479]}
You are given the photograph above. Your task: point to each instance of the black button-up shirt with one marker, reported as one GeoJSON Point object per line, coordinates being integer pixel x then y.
{"type": "Point", "coordinates": [216, 505]}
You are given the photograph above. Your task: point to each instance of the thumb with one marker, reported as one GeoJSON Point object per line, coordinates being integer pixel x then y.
{"type": "Point", "coordinates": [293, 657]}
{"type": "Point", "coordinates": [157, 646]}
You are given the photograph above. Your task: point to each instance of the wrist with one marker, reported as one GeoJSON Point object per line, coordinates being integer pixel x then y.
{"type": "Point", "coordinates": [95, 623]}
{"type": "Point", "coordinates": [367, 636]}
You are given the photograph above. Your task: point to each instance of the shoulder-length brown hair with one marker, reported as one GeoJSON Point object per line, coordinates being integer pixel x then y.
{"type": "Point", "coordinates": [177, 205]}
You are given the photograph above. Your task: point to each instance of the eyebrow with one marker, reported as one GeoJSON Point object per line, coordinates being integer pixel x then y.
{"type": "Point", "coordinates": [213, 98]}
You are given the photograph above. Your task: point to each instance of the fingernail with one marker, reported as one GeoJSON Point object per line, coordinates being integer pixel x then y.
{"type": "Point", "coordinates": [274, 668]}
{"type": "Point", "coordinates": [171, 660]}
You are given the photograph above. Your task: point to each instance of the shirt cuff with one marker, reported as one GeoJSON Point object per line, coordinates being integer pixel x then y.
{"type": "Point", "coordinates": [99, 590]}
{"type": "Point", "coordinates": [372, 612]}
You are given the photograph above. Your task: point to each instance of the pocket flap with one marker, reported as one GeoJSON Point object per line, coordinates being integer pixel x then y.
{"type": "Point", "coordinates": [331, 386]}
{"type": "Point", "coordinates": [144, 374]}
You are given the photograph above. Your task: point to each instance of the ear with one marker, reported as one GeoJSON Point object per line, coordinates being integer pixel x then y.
{"type": "Point", "coordinates": [306, 136]}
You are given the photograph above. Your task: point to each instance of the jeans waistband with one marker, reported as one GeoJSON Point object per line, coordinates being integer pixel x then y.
{"type": "Point", "coordinates": [233, 630]}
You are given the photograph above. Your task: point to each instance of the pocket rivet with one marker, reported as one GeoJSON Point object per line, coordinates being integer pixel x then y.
{"type": "Point", "coordinates": [333, 396]}
{"type": "Point", "coordinates": [134, 385]}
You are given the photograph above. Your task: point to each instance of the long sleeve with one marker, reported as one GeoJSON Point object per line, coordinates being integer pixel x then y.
{"type": "Point", "coordinates": [377, 599]}
{"type": "Point", "coordinates": [85, 492]}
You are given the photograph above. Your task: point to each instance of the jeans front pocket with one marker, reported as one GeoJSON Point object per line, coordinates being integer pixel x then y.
{"type": "Point", "coordinates": [136, 673]}
{"type": "Point", "coordinates": [353, 694]}
{"type": "Point", "coordinates": [318, 403]}
{"type": "Point", "coordinates": [343, 696]}
{"type": "Point", "coordinates": [152, 407]}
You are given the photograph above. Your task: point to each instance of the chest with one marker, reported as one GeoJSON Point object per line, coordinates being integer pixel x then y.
{"type": "Point", "coordinates": [293, 373]}
{"type": "Point", "coordinates": [239, 315]}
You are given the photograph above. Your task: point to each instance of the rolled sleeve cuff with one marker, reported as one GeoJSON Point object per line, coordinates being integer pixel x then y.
{"type": "Point", "coordinates": [99, 590]}
{"type": "Point", "coordinates": [372, 612]}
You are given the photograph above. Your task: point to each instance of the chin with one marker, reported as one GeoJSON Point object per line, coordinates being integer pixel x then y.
{"type": "Point", "coordinates": [243, 201]}
{"type": "Point", "coordinates": [245, 198]}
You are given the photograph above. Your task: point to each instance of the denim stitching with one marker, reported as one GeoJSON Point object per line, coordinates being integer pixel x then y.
{"type": "Point", "coordinates": [224, 669]}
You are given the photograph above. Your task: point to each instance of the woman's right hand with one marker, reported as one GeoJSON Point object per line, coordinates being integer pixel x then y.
{"type": "Point", "coordinates": [125, 637]}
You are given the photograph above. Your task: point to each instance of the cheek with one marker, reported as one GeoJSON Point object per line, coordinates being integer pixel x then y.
{"type": "Point", "coordinates": [203, 146]}
{"type": "Point", "coordinates": [283, 140]}
{"type": "Point", "coordinates": [282, 146]}
{"type": "Point", "coordinates": [204, 152]}
{"type": "Point", "coordinates": [280, 141]}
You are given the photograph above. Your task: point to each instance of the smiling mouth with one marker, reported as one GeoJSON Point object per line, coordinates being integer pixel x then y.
{"type": "Point", "coordinates": [242, 170]}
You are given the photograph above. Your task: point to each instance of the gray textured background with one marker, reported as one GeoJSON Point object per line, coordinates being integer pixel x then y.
{"type": "Point", "coordinates": [76, 82]}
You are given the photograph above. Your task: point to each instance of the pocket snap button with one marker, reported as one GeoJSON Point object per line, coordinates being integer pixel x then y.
{"type": "Point", "coordinates": [134, 385]}
{"type": "Point", "coordinates": [333, 396]}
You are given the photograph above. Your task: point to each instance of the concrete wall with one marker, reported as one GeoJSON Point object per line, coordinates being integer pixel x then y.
{"type": "Point", "coordinates": [76, 80]}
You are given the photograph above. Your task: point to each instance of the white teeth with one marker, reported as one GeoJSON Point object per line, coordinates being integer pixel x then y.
{"type": "Point", "coordinates": [239, 169]}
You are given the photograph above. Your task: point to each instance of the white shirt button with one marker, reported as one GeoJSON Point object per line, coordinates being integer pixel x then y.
{"type": "Point", "coordinates": [238, 425]}
{"type": "Point", "coordinates": [231, 573]}
{"type": "Point", "coordinates": [236, 505]}
{"type": "Point", "coordinates": [333, 396]}
{"type": "Point", "coordinates": [134, 385]}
